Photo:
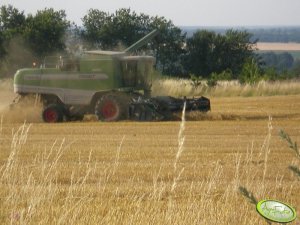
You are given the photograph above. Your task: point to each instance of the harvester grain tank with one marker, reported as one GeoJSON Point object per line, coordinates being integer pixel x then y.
{"type": "Point", "coordinates": [112, 85]}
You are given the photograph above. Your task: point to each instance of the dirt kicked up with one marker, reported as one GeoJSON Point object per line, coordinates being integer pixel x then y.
{"type": "Point", "coordinates": [28, 110]}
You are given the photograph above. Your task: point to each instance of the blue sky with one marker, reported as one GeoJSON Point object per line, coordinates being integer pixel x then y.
{"type": "Point", "coordinates": [188, 12]}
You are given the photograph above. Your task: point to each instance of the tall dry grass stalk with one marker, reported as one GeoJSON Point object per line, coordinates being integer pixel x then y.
{"type": "Point", "coordinates": [176, 174]}
{"type": "Point", "coordinates": [116, 164]}
{"type": "Point", "coordinates": [266, 148]}
{"type": "Point", "coordinates": [292, 145]}
{"type": "Point", "coordinates": [19, 139]}
{"type": "Point", "coordinates": [31, 189]}
{"type": "Point", "coordinates": [180, 137]}
{"type": "Point", "coordinates": [1, 124]}
{"type": "Point", "coordinates": [184, 87]}
{"type": "Point", "coordinates": [294, 167]}
{"type": "Point", "coordinates": [262, 189]}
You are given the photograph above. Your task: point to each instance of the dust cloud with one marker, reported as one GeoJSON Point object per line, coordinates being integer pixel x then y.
{"type": "Point", "coordinates": [27, 109]}
{"type": "Point", "coordinates": [19, 56]}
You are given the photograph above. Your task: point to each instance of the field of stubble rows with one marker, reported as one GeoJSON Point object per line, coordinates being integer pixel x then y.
{"type": "Point", "coordinates": [151, 173]}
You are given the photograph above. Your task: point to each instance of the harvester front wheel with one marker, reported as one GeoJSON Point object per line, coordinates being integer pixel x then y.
{"type": "Point", "coordinates": [53, 114]}
{"type": "Point", "coordinates": [110, 108]}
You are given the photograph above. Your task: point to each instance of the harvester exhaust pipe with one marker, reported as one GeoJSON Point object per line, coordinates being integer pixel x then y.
{"type": "Point", "coordinates": [142, 41]}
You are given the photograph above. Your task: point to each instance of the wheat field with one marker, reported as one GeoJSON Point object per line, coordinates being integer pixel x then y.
{"type": "Point", "coordinates": [277, 46]}
{"type": "Point", "coordinates": [189, 171]}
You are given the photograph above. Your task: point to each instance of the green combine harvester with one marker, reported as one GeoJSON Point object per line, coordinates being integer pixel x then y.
{"type": "Point", "coordinates": [112, 85]}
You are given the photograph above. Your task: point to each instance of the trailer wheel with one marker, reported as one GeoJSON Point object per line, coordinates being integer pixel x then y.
{"type": "Point", "coordinates": [53, 114]}
{"type": "Point", "coordinates": [111, 108]}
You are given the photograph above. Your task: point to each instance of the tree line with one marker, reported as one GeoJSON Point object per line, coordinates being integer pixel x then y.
{"type": "Point", "coordinates": [263, 34]}
{"type": "Point", "coordinates": [277, 34]}
{"type": "Point", "coordinates": [206, 54]}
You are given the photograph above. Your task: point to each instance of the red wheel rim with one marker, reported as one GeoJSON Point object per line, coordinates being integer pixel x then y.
{"type": "Point", "coordinates": [50, 116]}
{"type": "Point", "coordinates": [109, 110]}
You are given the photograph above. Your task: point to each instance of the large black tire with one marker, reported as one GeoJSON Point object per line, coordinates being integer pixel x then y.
{"type": "Point", "coordinates": [112, 108]}
{"type": "Point", "coordinates": [53, 113]}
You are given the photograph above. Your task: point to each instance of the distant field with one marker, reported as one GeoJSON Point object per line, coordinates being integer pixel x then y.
{"type": "Point", "coordinates": [268, 46]}
{"type": "Point", "coordinates": [292, 48]}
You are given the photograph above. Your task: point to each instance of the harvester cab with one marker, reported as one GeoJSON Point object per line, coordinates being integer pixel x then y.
{"type": "Point", "coordinates": [133, 71]}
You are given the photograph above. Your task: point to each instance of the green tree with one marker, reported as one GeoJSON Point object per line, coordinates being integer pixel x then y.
{"type": "Point", "coordinates": [250, 73]}
{"type": "Point", "coordinates": [280, 61]}
{"type": "Point", "coordinates": [45, 31]}
{"type": "Point", "coordinates": [285, 61]}
{"type": "Point", "coordinates": [296, 68]}
{"type": "Point", "coordinates": [124, 27]}
{"type": "Point", "coordinates": [270, 73]}
{"type": "Point", "coordinates": [238, 49]}
{"type": "Point", "coordinates": [200, 48]}
{"type": "Point", "coordinates": [208, 52]}
{"type": "Point", "coordinates": [12, 21]}
{"type": "Point", "coordinates": [97, 32]}
{"type": "Point", "coordinates": [2, 50]}
{"type": "Point", "coordinates": [106, 31]}
{"type": "Point", "coordinates": [169, 46]}
{"type": "Point", "coordinates": [215, 77]}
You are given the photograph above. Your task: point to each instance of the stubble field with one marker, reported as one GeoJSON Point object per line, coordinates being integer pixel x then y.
{"type": "Point", "coordinates": [151, 173]}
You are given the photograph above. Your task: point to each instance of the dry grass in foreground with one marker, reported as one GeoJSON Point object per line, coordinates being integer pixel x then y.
{"type": "Point", "coordinates": [184, 87]}
{"type": "Point", "coordinates": [151, 173]}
